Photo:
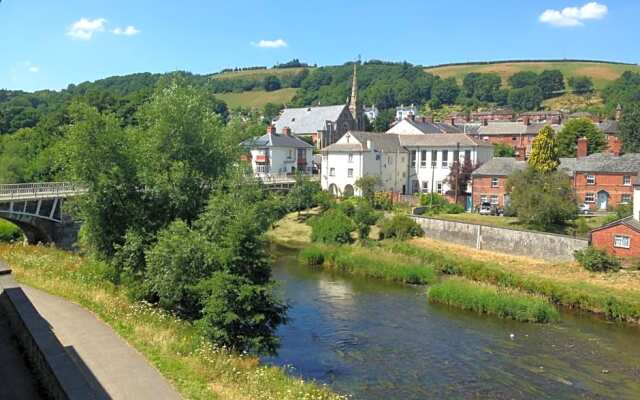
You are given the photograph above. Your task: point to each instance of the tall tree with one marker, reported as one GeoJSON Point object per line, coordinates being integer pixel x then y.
{"type": "Point", "coordinates": [575, 129]}
{"type": "Point", "coordinates": [630, 129]}
{"type": "Point", "coordinates": [550, 82]}
{"type": "Point", "coordinates": [523, 79]}
{"type": "Point", "coordinates": [544, 151]}
{"type": "Point", "coordinates": [525, 99]}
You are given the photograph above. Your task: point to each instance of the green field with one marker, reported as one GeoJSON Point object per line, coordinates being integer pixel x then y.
{"type": "Point", "coordinates": [257, 73]}
{"type": "Point", "coordinates": [257, 98]}
{"type": "Point", "coordinates": [601, 73]}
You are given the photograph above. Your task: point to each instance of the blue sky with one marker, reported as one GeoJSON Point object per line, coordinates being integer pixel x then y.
{"type": "Point", "coordinates": [49, 44]}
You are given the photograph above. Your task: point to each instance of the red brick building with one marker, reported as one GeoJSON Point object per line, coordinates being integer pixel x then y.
{"type": "Point", "coordinates": [489, 180]}
{"type": "Point", "coordinates": [620, 238]}
{"type": "Point", "coordinates": [518, 135]}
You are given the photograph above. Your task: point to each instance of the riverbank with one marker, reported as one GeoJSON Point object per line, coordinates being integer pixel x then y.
{"type": "Point", "coordinates": [616, 296]}
{"type": "Point", "coordinates": [174, 347]}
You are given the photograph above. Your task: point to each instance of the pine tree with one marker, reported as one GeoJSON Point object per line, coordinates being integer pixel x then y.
{"type": "Point", "coordinates": [544, 151]}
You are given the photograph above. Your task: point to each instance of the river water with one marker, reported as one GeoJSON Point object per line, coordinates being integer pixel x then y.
{"type": "Point", "coordinates": [377, 340]}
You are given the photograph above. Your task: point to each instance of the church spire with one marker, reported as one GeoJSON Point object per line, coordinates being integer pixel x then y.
{"type": "Point", "coordinates": [354, 107]}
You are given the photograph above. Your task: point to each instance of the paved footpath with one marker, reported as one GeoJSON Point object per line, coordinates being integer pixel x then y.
{"type": "Point", "coordinates": [113, 368]}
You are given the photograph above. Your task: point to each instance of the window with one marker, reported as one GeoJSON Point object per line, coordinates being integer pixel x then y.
{"type": "Point", "coordinates": [622, 241]}
{"type": "Point", "coordinates": [425, 186]}
{"type": "Point", "coordinates": [350, 172]}
{"type": "Point", "coordinates": [332, 172]}
{"type": "Point", "coordinates": [514, 138]}
{"type": "Point", "coordinates": [434, 158]}
{"type": "Point", "coordinates": [625, 198]}
{"type": "Point", "coordinates": [290, 155]}
{"type": "Point", "coordinates": [456, 155]}
{"type": "Point", "coordinates": [484, 198]}
{"type": "Point", "coordinates": [423, 158]}
{"type": "Point", "coordinates": [377, 157]}
{"type": "Point", "coordinates": [445, 158]}
{"type": "Point", "coordinates": [494, 181]}
{"type": "Point", "coordinates": [413, 158]}
{"type": "Point", "coordinates": [415, 185]}
{"type": "Point", "coordinates": [467, 155]}
{"type": "Point", "coordinates": [589, 197]}
{"type": "Point", "coordinates": [389, 160]}
{"type": "Point", "coordinates": [439, 187]}
{"type": "Point", "coordinates": [350, 157]}
{"type": "Point", "coordinates": [626, 180]}
{"type": "Point", "coordinates": [262, 168]}
{"type": "Point", "coordinates": [494, 199]}
{"type": "Point", "coordinates": [591, 179]}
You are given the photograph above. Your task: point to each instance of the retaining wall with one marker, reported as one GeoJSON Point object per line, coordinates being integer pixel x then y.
{"type": "Point", "coordinates": [546, 246]}
{"type": "Point", "coordinates": [55, 369]}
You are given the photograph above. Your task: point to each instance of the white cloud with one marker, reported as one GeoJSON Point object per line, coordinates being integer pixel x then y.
{"type": "Point", "coordinates": [270, 44]}
{"type": "Point", "coordinates": [34, 68]}
{"type": "Point", "coordinates": [574, 16]}
{"type": "Point", "coordinates": [84, 28]}
{"type": "Point", "coordinates": [127, 31]}
{"type": "Point", "coordinates": [29, 66]}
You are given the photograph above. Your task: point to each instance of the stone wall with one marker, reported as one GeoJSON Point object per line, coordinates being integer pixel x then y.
{"type": "Point", "coordinates": [545, 246]}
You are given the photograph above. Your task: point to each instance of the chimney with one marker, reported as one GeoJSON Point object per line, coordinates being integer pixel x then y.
{"type": "Point", "coordinates": [582, 146]}
{"type": "Point", "coordinates": [615, 147]}
{"type": "Point", "coordinates": [286, 131]}
{"type": "Point", "coordinates": [521, 153]}
{"type": "Point", "coordinates": [411, 116]}
{"type": "Point", "coordinates": [526, 120]}
{"type": "Point", "coordinates": [271, 129]}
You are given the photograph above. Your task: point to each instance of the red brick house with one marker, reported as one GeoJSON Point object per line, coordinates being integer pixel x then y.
{"type": "Point", "coordinates": [518, 135]}
{"type": "Point", "coordinates": [489, 180]}
{"type": "Point", "coordinates": [621, 238]}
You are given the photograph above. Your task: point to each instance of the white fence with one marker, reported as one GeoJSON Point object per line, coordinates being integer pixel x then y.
{"type": "Point", "coordinates": [44, 190]}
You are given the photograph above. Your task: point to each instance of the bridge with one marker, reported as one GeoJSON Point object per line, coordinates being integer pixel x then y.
{"type": "Point", "coordinates": [37, 209]}
{"type": "Point", "coordinates": [282, 182]}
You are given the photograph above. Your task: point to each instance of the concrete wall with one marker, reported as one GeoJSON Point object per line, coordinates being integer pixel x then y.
{"type": "Point", "coordinates": [545, 246]}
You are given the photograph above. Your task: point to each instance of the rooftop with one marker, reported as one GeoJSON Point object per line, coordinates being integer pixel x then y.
{"type": "Point", "coordinates": [500, 166]}
{"type": "Point", "coordinates": [512, 128]}
{"type": "Point", "coordinates": [276, 140]}
{"type": "Point", "coordinates": [307, 120]}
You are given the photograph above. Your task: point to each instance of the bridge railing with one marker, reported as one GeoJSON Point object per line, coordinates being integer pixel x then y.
{"type": "Point", "coordinates": [41, 190]}
{"type": "Point", "coordinates": [282, 178]}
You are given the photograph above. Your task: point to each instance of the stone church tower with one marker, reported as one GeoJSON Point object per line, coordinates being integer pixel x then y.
{"type": "Point", "coordinates": [354, 107]}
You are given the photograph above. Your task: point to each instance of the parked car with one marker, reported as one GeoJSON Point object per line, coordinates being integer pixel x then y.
{"type": "Point", "coordinates": [584, 208]}
{"type": "Point", "coordinates": [485, 208]}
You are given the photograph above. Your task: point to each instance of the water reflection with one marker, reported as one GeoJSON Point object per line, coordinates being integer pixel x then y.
{"type": "Point", "coordinates": [384, 341]}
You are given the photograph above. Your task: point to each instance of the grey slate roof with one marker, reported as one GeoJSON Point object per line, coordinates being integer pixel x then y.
{"type": "Point", "coordinates": [628, 221]}
{"type": "Point", "coordinates": [307, 120]}
{"type": "Point", "coordinates": [609, 126]}
{"type": "Point", "coordinates": [441, 140]}
{"type": "Point", "coordinates": [511, 128]}
{"type": "Point", "coordinates": [435, 127]}
{"type": "Point", "coordinates": [380, 141]}
{"type": "Point", "coordinates": [500, 166]}
{"type": "Point", "coordinates": [271, 140]}
{"type": "Point", "coordinates": [604, 162]}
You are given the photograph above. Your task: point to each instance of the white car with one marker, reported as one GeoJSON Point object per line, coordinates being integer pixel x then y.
{"type": "Point", "coordinates": [584, 208]}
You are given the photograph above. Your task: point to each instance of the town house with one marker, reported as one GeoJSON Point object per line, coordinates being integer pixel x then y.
{"type": "Point", "coordinates": [412, 125]}
{"type": "Point", "coordinates": [279, 154]}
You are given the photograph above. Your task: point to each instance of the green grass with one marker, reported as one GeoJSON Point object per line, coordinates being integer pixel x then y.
{"type": "Point", "coordinates": [614, 304]}
{"type": "Point", "coordinates": [493, 300]}
{"type": "Point", "coordinates": [601, 73]}
{"type": "Point", "coordinates": [9, 232]}
{"type": "Point", "coordinates": [371, 262]}
{"type": "Point", "coordinates": [258, 73]}
{"type": "Point", "coordinates": [196, 368]}
{"type": "Point", "coordinates": [257, 98]}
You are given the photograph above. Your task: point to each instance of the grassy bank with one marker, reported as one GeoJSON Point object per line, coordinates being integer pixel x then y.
{"type": "Point", "coordinates": [371, 262]}
{"type": "Point", "coordinates": [614, 304]}
{"type": "Point", "coordinates": [488, 299]}
{"type": "Point", "coordinates": [196, 368]}
{"type": "Point", "coordinates": [257, 98]}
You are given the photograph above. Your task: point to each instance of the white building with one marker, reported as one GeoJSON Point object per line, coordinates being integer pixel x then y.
{"type": "Point", "coordinates": [371, 112]}
{"type": "Point", "coordinates": [406, 164]}
{"type": "Point", "coordinates": [420, 126]}
{"type": "Point", "coordinates": [279, 154]}
{"type": "Point", "coordinates": [403, 112]}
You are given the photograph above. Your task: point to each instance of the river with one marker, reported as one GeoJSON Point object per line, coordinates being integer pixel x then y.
{"type": "Point", "coordinates": [378, 340]}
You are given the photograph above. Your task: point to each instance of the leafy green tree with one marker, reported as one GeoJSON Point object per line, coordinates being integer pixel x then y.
{"type": "Point", "coordinates": [239, 314]}
{"type": "Point", "coordinates": [383, 121]}
{"type": "Point", "coordinates": [581, 84]}
{"type": "Point", "coordinates": [481, 86]}
{"type": "Point", "coordinates": [302, 194]}
{"type": "Point", "coordinates": [523, 79]}
{"type": "Point", "coordinates": [550, 82]}
{"type": "Point", "coordinates": [271, 83]}
{"type": "Point", "coordinates": [630, 129]}
{"type": "Point", "coordinates": [503, 150]}
{"type": "Point", "coordinates": [333, 227]}
{"type": "Point", "coordinates": [459, 176]}
{"type": "Point", "coordinates": [368, 186]}
{"type": "Point", "coordinates": [364, 217]}
{"type": "Point", "coordinates": [575, 129]}
{"type": "Point", "coordinates": [544, 151]}
{"type": "Point", "coordinates": [525, 99]}
{"type": "Point", "coordinates": [544, 200]}
{"type": "Point", "coordinates": [271, 111]}
{"type": "Point", "coordinates": [445, 91]}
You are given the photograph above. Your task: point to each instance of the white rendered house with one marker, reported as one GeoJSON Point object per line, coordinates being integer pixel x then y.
{"type": "Point", "coordinates": [279, 154]}
{"type": "Point", "coordinates": [406, 164]}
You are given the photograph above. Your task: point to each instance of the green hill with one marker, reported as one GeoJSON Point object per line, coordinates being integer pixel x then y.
{"type": "Point", "coordinates": [258, 73]}
{"type": "Point", "coordinates": [257, 98]}
{"type": "Point", "coordinates": [602, 73]}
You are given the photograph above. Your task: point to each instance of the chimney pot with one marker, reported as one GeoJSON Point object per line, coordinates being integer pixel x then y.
{"type": "Point", "coordinates": [582, 147]}
{"type": "Point", "coordinates": [271, 129]}
{"type": "Point", "coordinates": [615, 147]}
{"type": "Point", "coordinates": [526, 120]}
{"type": "Point", "coordinates": [286, 131]}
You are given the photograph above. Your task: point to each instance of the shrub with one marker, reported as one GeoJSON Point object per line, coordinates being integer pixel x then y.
{"type": "Point", "coordinates": [382, 201]}
{"type": "Point", "coordinates": [332, 227]}
{"type": "Point", "coordinates": [399, 227]}
{"type": "Point", "coordinates": [453, 208]}
{"type": "Point", "coordinates": [624, 210]}
{"type": "Point", "coordinates": [487, 299]}
{"type": "Point", "coordinates": [312, 255]}
{"type": "Point", "coordinates": [596, 260]}
{"type": "Point", "coordinates": [9, 232]}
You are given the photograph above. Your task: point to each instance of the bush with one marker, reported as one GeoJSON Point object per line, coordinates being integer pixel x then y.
{"type": "Point", "coordinates": [311, 256]}
{"type": "Point", "coordinates": [332, 227]}
{"type": "Point", "coordinates": [399, 227]}
{"type": "Point", "coordinates": [9, 232]}
{"type": "Point", "coordinates": [382, 201]}
{"type": "Point", "coordinates": [597, 260]}
{"type": "Point", "coordinates": [453, 208]}
{"type": "Point", "coordinates": [487, 299]}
